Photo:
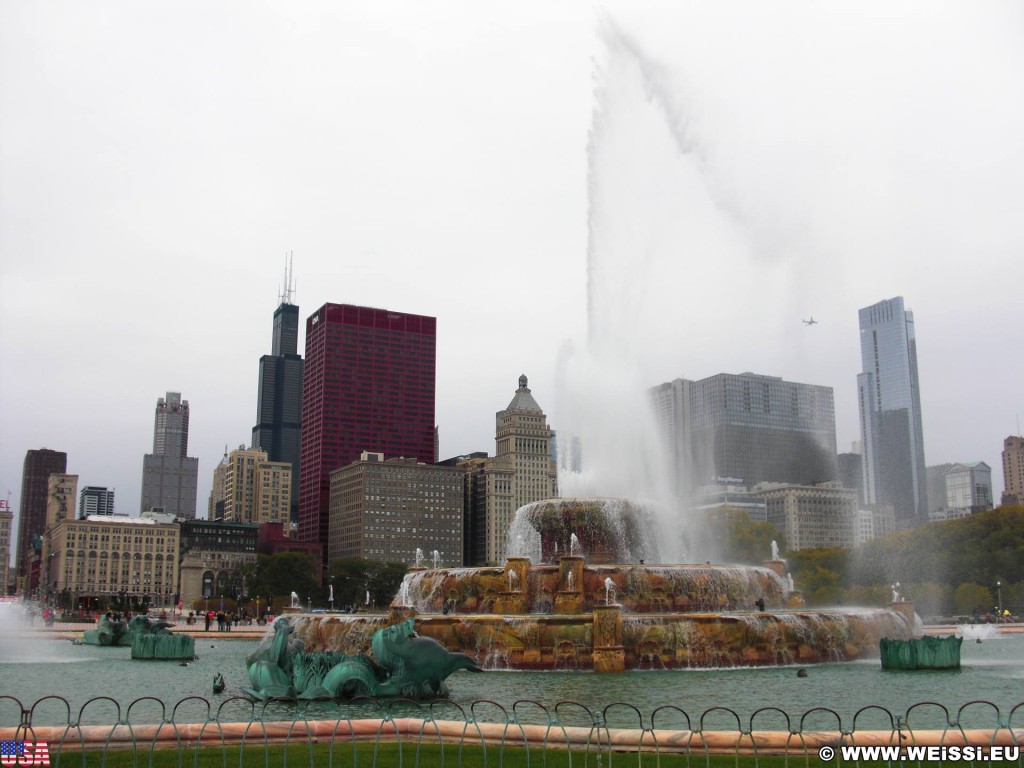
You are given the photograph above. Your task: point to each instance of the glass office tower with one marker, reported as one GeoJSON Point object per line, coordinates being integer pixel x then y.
{"type": "Point", "coordinates": [745, 429]}
{"type": "Point", "coordinates": [889, 400]}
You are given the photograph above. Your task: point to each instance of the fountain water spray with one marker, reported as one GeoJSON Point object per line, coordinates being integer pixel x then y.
{"type": "Point", "coordinates": [575, 548]}
{"type": "Point", "coordinates": [653, 222]}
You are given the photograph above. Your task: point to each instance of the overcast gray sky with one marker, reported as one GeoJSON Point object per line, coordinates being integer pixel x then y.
{"type": "Point", "coordinates": [157, 160]}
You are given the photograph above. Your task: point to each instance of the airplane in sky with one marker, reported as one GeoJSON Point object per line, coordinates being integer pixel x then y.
{"type": "Point", "coordinates": [812, 321]}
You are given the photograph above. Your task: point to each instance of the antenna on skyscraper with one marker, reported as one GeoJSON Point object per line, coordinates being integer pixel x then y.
{"type": "Point", "coordinates": [285, 296]}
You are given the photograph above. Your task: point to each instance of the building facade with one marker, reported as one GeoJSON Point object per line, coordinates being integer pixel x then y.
{"type": "Point", "coordinates": [873, 523]}
{"type": "Point", "coordinates": [61, 492]}
{"type": "Point", "coordinates": [215, 504]}
{"type": "Point", "coordinates": [523, 469]}
{"type": "Point", "coordinates": [256, 490]}
{"type": "Point", "coordinates": [169, 476]}
{"type": "Point", "coordinates": [474, 504]}
{"type": "Point", "coordinates": [94, 500]}
{"type": "Point", "coordinates": [368, 385]}
{"type": "Point", "coordinates": [935, 479]}
{"type": "Point", "coordinates": [889, 402]}
{"type": "Point", "coordinates": [850, 473]}
{"type": "Point", "coordinates": [386, 509]}
{"type": "Point", "coordinates": [215, 557]}
{"type": "Point", "coordinates": [6, 536]}
{"type": "Point", "coordinates": [278, 429]}
{"type": "Point", "coordinates": [35, 477]}
{"type": "Point", "coordinates": [812, 517]}
{"type": "Point", "coordinates": [1013, 471]}
{"type": "Point", "coordinates": [130, 560]}
{"type": "Point", "coordinates": [969, 486]}
{"type": "Point", "coordinates": [745, 429]}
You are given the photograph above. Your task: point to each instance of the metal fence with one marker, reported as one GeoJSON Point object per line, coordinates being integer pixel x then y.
{"type": "Point", "coordinates": [367, 732]}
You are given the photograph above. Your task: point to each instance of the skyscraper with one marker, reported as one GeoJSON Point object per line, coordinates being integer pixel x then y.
{"type": "Point", "coordinates": [6, 531]}
{"type": "Point", "coordinates": [1013, 470]}
{"type": "Point", "coordinates": [279, 400]}
{"type": "Point", "coordinates": [256, 490]}
{"type": "Point", "coordinates": [368, 385]}
{"type": "Point", "coordinates": [35, 478]}
{"type": "Point", "coordinates": [169, 476]}
{"type": "Point", "coordinates": [889, 400]}
{"type": "Point", "coordinates": [522, 470]}
{"type": "Point", "coordinates": [94, 500]}
{"type": "Point", "coordinates": [744, 429]}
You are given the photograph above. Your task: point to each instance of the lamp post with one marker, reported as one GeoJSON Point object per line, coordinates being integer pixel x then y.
{"type": "Point", "coordinates": [999, 599]}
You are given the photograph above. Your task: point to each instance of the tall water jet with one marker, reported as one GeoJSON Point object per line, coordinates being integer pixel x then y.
{"type": "Point", "coordinates": [651, 221]}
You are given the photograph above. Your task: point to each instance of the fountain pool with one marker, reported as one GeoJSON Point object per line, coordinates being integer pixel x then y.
{"type": "Point", "coordinates": [992, 670]}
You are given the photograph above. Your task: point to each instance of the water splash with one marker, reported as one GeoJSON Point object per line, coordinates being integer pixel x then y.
{"type": "Point", "coordinates": [609, 591]}
{"type": "Point", "coordinates": [575, 548]}
{"type": "Point", "coordinates": [977, 631]}
{"type": "Point", "coordinates": [653, 222]}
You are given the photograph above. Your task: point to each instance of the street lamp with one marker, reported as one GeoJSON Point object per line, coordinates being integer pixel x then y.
{"type": "Point", "coordinates": [999, 599]}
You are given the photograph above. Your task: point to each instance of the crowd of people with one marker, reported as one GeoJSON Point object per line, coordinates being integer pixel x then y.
{"type": "Point", "coordinates": [224, 621]}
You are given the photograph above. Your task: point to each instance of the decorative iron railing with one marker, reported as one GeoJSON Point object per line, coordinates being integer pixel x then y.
{"type": "Point", "coordinates": [364, 732]}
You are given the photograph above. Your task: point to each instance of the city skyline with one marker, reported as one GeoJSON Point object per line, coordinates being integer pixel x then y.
{"type": "Point", "coordinates": [431, 167]}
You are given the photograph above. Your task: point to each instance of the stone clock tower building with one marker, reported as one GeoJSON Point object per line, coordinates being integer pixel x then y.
{"type": "Point", "coordinates": [523, 468]}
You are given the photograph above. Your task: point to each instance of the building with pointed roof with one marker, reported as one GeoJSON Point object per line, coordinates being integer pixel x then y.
{"type": "Point", "coordinates": [523, 470]}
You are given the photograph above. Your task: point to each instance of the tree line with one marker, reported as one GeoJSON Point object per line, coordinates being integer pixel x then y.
{"type": "Point", "coordinates": [946, 568]}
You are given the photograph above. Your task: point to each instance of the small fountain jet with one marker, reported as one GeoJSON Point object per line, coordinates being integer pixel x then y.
{"type": "Point", "coordinates": [812, 321]}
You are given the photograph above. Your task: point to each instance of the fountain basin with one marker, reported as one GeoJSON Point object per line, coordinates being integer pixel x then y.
{"type": "Point", "coordinates": [654, 641]}
{"type": "Point", "coordinates": [552, 607]}
{"type": "Point", "coordinates": [611, 618]}
{"type": "Point", "coordinates": [573, 586]}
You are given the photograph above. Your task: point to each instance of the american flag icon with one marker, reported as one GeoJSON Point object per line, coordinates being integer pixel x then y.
{"type": "Point", "coordinates": [16, 753]}
{"type": "Point", "coordinates": [12, 748]}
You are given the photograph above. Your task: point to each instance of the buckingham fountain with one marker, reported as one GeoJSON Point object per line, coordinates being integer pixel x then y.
{"type": "Point", "coordinates": [580, 594]}
{"type": "Point", "coordinates": [586, 585]}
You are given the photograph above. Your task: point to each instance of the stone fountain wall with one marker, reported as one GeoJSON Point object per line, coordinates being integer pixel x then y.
{"type": "Point", "coordinates": [574, 587]}
{"type": "Point", "coordinates": [609, 618]}
{"type": "Point", "coordinates": [610, 639]}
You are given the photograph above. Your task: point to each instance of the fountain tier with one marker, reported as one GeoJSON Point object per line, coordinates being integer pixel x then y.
{"type": "Point", "coordinates": [609, 640]}
{"type": "Point", "coordinates": [552, 607]}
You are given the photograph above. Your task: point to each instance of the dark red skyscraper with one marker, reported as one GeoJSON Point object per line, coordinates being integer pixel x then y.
{"type": "Point", "coordinates": [368, 385]}
{"type": "Point", "coordinates": [35, 477]}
